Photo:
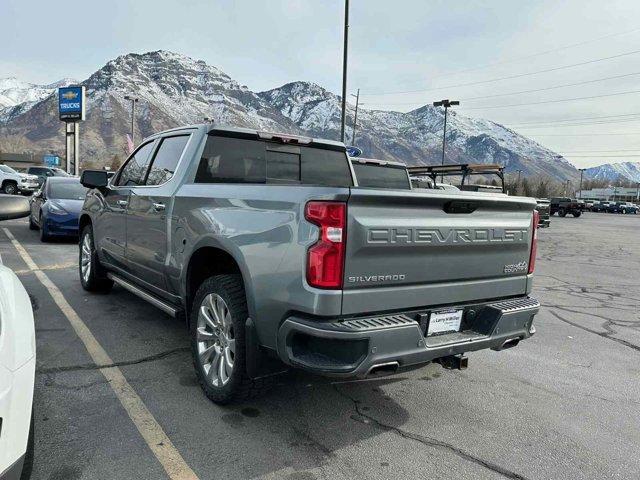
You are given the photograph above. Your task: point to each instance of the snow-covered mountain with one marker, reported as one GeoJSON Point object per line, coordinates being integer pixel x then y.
{"type": "Point", "coordinates": [615, 171]}
{"type": "Point", "coordinates": [175, 90]}
{"type": "Point", "coordinates": [17, 96]}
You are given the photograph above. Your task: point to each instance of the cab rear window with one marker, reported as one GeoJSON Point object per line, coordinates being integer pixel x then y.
{"type": "Point", "coordinates": [381, 176]}
{"type": "Point", "coordinates": [241, 160]}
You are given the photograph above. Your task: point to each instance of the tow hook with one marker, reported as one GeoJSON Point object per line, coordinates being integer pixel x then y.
{"type": "Point", "coordinates": [453, 362]}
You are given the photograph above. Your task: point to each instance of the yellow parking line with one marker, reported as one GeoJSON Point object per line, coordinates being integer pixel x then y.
{"type": "Point", "coordinates": [59, 266]}
{"type": "Point", "coordinates": [149, 428]}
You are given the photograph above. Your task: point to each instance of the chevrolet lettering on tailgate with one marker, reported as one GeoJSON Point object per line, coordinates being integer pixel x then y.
{"type": "Point", "coordinates": [446, 236]}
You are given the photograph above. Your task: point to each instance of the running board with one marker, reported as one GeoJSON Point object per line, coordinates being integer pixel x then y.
{"type": "Point", "coordinates": [156, 302]}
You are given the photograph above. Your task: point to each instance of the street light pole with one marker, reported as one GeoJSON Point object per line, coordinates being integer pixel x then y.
{"type": "Point", "coordinates": [133, 101]}
{"type": "Point", "coordinates": [343, 114]}
{"type": "Point", "coordinates": [355, 119]}
{"type": "Point", "coordinates": [446, 104]}
{"type": "Point", "coordinates": [581, 173]}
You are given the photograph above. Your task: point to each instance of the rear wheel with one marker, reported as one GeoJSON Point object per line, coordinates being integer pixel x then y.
{"type": "Point", "coordinates": [577, 214]}
{"type": "Point", "coordinates": [92, 276]}
{"type": "Point", "coordinates": [218, 317]}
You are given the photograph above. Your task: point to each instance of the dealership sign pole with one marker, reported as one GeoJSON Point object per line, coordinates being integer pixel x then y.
{"type": "Point", "coordinates": [71, 110]}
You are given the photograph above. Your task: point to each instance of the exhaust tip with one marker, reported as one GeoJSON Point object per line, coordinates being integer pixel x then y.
{"type": "Point", "coordinates": [382, 369]}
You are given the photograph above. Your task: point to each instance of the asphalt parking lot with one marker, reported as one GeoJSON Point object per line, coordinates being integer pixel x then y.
{"type": "Point", "coordinates": [565, 404]}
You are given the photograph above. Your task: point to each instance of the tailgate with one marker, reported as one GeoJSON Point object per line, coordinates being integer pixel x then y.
{"type": "Point", "coordinates": [413, 249]}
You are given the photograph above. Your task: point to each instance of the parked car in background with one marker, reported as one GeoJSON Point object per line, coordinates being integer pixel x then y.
{"type": "Point", "coordinates": [563, 206]}
{"type": "Point", "coordinates": [582, 205]}
{"type": "Point", "coordinates": [45, 172]}
{"type": "Point", "coordinates": [17, 363]}
{"type": "Point", "coordinates": [622, 207]}
{"type": "Point", "coordinates": [12, 182]}
{"type": "Point", "coordinates": [543, 206]}
{"type": "Point", "coordinates": [602, 206]}
{"type": "Point", "coordinates": [56, 206]}
{"type": "Point", "coordinates": [276, 258]}
{"type": "Point", "coordinates": [380, 173]}
{"type": "Point", "coordinates": [588, 205]}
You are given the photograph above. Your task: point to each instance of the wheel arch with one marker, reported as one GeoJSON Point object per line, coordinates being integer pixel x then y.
{"type": "Point", "coordinates": [84, 220]}
{"type": "Point", "coordinates": [210, 259]}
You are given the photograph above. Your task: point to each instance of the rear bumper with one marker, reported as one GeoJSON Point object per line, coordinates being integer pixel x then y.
{"type": "Point", "coordinates": [352, 347]}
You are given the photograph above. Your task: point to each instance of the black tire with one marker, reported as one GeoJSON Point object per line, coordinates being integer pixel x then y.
{"type": "Point", "coordinates": [27, 466]}
{"type": "Point", "coordinates": [32, 224]}
{"type": "Point", "coordinates": [96, 280]}
{"type": "Point", "coordinates": [239, 385]}
{"type": "Point", "coordinates": [10, 188]}
{"type": "Point", "coordinates": [562, 212]}
{"type": "Point", "coordinates": [44, 236]}
{"type": "Point", "coordinates": [577, 214]}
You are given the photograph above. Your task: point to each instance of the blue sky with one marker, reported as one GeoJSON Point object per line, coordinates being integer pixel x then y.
{"type": "Point", "coordinates": [394, 47]}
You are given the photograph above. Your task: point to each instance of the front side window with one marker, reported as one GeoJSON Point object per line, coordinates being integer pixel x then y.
{"type": "Point", "coordinates": [166, 159]}
{"type": "Point", "coordinates": [135, 169]}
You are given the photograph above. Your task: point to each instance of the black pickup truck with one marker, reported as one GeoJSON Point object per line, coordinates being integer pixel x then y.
{"type": "Point", "coordinates": [563, 206]}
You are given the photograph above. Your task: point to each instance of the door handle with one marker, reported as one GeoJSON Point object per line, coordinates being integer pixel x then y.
{"type": "Point", "coordinates": [123, 203]}
{"type": "Point", "coordinates": [159, 207]}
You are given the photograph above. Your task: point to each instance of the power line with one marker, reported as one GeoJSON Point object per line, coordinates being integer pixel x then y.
{"type": "Point", "coordinates": [577, 119]}
{"type": "Point", "coordinates": [599, 151]}
{"type": "Point", "coordinates": [584, 134]}
{"type": "Point", "coordinates": [521, 104]}
{"type": "Point", "coordinates": [554, 101]}
{"type": "Point", "coordinates": [603, 122]}
{"type": "Point", "coordinates": [507, 77]}
{"type": "Point", "coordinates": [604, 156]}
{"type": "Point", "coordinates": [533, 55]}
{"type": "Point", "coordinates": [552, 88]}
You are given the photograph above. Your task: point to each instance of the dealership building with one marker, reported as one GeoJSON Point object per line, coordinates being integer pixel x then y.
{"type": "Point", "coordinates": [615, 194]}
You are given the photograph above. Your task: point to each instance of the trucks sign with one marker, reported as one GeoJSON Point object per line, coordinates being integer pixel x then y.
{"type": "Point", "coordinates": [71, 104]}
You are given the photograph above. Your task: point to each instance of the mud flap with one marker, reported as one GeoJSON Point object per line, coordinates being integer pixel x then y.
{"type": "Point", "coordinates": [259, 363]}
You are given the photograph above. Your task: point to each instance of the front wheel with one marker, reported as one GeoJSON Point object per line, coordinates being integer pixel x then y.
{"type": "Point", "coordinates": [217, 325]}
{"type": "Point", "coordinates": [10, 188]}
{"type": "Point", "coordinates": [562, 212]}
{"type": "Point", "coordinates": [577, 214]}
{"type": "Point", "coordinates": [92, 275]}
{"type": "Point", "coordinates": [32, 224]}
{"type": "Point", "coordinates": [44, 234]}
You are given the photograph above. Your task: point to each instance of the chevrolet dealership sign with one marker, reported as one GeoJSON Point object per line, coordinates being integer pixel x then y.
{"type": "Point", "coordinates": [71, 104]}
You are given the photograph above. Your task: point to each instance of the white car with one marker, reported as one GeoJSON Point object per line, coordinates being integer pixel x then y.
{"type": "Point", "coordinates": [17, 363]}
{"type": "Point", "coordinates": [12, 182]}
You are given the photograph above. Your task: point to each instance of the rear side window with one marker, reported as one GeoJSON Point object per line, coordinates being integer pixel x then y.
{"type": "Point", "coordinates": [379, 176]}
{"type": "Point", "coordinates": [238, 160]}
{"type": "Point", "coordinates": [135, 169]}
{"type": "Point", "coordinates": [166, 159]}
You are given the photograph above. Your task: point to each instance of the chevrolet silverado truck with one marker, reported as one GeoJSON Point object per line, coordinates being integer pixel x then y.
{"type": "Point", "coordinates": [275, 257]}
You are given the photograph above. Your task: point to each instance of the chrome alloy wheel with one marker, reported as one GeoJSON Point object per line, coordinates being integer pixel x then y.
{"type": "Point", "coordinates": [85, 258]}
{"type": "Point", "coordinates": [216, 340]}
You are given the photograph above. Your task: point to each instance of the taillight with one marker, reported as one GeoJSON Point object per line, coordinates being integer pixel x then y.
{"type": "Point", "coordinates": [534, 241]}
{"type": "Point", "coordinates": [325, 258]}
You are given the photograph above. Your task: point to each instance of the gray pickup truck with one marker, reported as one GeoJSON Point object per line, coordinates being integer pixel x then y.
{"type": "Point", "coordinates": [275, 257]}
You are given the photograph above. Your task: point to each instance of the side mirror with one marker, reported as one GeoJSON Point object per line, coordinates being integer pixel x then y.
{"type": "Point", "coordinates": [94, 178]}
{"type": "Point", "coordinates": [12, 206]}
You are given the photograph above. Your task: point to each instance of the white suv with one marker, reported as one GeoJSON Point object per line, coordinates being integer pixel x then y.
{"type": "Point", "coordinates": [12, 182]}
{"type": "Point", "coordinates": [17, 363]}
